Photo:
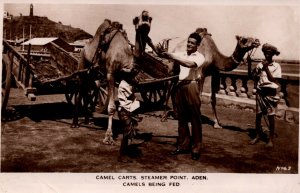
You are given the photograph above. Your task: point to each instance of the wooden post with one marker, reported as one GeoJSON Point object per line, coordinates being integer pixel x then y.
{"type": "Point", "coordinates": [27, 68]}
{"type": "Point", "coordinates": [20, 70]}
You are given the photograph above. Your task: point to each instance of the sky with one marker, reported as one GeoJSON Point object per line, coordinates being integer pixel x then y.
{"type": "Point", "coordinates": [274, 23]}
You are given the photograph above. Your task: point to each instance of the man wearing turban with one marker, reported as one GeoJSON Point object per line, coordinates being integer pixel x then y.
{"type": "Point", "coordinates": [265, 76]}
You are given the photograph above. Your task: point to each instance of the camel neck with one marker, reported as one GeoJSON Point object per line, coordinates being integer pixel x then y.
{"type": "Point", "coordinates": [228, 63]}
{"type": "Point", "coordinates": [237, 57]}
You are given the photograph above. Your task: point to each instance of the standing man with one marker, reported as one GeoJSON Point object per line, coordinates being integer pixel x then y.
{"type": "Point", "coordinates": [265, 75]}
{"type": "Point", "coordinates": [142, 28]}
{"type": "Point", "coordinates": [187, 98]}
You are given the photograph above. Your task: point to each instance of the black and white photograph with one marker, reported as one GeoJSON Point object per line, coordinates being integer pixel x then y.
{"type": "Point", "coordinates": [166, 96]}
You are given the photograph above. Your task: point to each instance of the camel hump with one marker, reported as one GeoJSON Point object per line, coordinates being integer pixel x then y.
{"type": "Point", "coordinates": [110, 32]}
{"type": "Point", "coordinates": [104, 26]}
{"type": "Point", "coordinates": [117, 25]}
{"type": "Point", "coordinates": [107, 27]}
{"type": "Point", "coordinates": [102, 38]}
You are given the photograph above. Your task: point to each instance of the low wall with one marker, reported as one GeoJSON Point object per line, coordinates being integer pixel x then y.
{"type": "Point", "coordinates": [237, 91]}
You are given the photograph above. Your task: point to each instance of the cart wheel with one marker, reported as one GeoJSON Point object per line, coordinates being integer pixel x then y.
{"type": "Point", "coordinates": [6, 83]}
{"type": "Point", "coordinates": [154, 95]}
{"type": "Point", "coordinates": [97, 96]}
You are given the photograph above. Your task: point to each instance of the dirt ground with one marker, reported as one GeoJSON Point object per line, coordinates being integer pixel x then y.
{"type": "Point", "coordinates": [38, 138]}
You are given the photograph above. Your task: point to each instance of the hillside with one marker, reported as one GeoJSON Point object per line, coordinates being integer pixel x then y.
{"type": "Point", "coordinates": [41, 27]}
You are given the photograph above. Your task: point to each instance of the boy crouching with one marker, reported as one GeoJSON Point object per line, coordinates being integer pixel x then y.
{"type": "Point", "coordinates": [128, 105]}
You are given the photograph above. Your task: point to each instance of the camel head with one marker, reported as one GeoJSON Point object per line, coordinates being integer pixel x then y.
{"type": "Point", "coordinates": [202, 32]}
{"type": "Point", "coordinates": [247, 43]}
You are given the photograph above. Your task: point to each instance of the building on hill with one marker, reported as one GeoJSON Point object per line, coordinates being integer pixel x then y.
{"type": "Point", "coordinates": [6, 15]}
{"type": "Point", "coordinates": [79, 44]}
{"type": "Point", "coordinates": [18, 42]}
{"type": "Point", "coordinates": [40, 44]}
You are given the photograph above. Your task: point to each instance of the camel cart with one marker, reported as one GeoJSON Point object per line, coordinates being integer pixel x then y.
{"type": "Point", "coordinates": [57, 75]}
{"type": "Point", "coordinates": [156, 79]}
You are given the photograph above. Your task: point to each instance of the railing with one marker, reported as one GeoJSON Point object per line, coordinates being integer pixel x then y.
{"type": "Point", "coordinates": [238, 86]}
{"type": "Point", "coordinates": [237, 83]}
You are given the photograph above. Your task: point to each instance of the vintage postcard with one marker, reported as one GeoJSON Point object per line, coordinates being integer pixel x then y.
{"type": "Point", "coordinates": [166, 96]}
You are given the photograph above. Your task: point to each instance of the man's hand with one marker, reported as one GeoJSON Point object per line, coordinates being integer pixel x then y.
{"type": "Point", "coordinates": [166, 55]}
{"type": "Point", "coordinates": [265, 64]}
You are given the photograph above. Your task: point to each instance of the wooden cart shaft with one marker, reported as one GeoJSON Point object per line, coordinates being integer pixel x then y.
{"type": "Point", "coordinates": [21, 69]}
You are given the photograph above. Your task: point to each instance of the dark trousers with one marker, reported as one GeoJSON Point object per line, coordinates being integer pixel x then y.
{"type": "Point", "coordinates": [129, 128]}
{"type": "Point", "coordinates": [188, 105]}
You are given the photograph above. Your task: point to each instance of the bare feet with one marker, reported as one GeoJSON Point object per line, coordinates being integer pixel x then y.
{"type": "Point", "coordinates": [254, 141]}
{"type": "Point", "coordinates": [217, 126]}
{"type": "Point", "coordinates": [108, 140]}
{"type": "Point", "coordinates": [270, 144]}
{"type": "Point", "coordinates": [124, 159]}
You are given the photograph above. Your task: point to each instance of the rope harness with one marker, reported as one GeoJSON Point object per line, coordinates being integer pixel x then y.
{"type": "Point", "coordinates": [105, 40]}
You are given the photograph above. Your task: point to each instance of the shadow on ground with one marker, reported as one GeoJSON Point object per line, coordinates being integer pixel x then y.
{"type": "Point", "coordinates": [38, 138]}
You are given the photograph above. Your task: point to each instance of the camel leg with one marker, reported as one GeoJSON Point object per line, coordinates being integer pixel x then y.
{"type": "Point", "coordinates": [215, 81]}
{"type": "Point", "coordinates": [164, 116]}
{"type": "Point", "coordinates": [109, 134]}
{"type": "Point", "coordinates": [82, 95]}
{"type": "Point", "coordinates": [214, 84]}
{"type": "Point", "coordinates": [111, 110]}
{"type": "Point", "coordinates": [173, 93]}
{"type": "Point", "coordinates": [80, 87]}
{"type": "Point", "coordinates": [200, 85]}
{"type": "Point", "coordinates": [169, 94]}
{"type": "Point", "coordinates": [76, 111]}
{"type": "Point", "coordinates": [86, 102]}
{"type": "Point", "coordinates": [108, 140]}
{"type": "Point", "coordinates": [213, 104]}
{"type": "Point", "coordinates": [78, 98]}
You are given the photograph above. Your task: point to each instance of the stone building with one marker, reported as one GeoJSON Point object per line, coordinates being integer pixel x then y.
{"type": "Point", "coordinates": [40, 44]}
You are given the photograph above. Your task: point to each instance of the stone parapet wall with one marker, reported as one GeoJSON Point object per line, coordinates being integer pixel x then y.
{"type": "Point", "coordinates": [288, 114]}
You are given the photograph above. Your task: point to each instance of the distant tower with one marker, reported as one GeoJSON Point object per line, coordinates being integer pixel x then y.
{"type": "Point", "coordinates": [31, 10]}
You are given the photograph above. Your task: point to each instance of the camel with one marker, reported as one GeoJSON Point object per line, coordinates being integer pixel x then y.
{"type": "Point", "coordinates": [110, 53]}
{"type": "Point", "coordinates": [216, 62]}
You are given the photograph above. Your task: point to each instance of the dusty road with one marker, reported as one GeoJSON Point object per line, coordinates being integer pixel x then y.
{"type": "Point", "coordinates": [39, 139]}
